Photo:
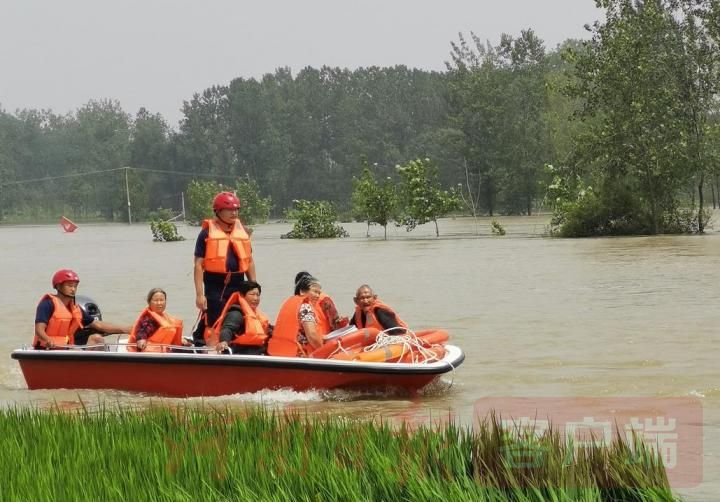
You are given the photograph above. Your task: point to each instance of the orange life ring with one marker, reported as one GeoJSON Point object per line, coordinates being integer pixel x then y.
{"type": "Point", "coordinates": [360, 338]}
{"type": "Point", "coordinates": [434, 337]}
{"type": "Point", "coordinates": [389, 353]}
{"type": "Point", "coordinates": [348, 355]}
{"type": "Point", "coordinates": [415, 356]}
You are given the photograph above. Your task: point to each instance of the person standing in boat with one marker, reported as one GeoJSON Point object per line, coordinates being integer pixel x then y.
{"type": "Point", "coordinates": [223, 259]}
{"type": "Point", "coordinates": [155, 328]}
{"type": "Point", "coordinates": [243, 328]}
{"type": "Point", "coordinates": [58, 317]}
{"type": "Point", "coordinates": [299, 328]}
{"type": "Point", "coordinates": [370, 312]}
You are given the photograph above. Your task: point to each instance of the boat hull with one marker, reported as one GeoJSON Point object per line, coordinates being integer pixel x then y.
{"type": "Point", "coordinates": [186, 375]}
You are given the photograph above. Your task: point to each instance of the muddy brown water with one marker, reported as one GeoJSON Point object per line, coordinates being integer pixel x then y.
{"type": "Point", "coordinates": [536, 317]}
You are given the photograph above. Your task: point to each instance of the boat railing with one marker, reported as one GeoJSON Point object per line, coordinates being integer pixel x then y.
{"type": "Point", "coordinates": [123, 347]}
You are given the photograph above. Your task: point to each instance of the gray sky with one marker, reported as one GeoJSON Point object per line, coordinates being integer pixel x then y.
{"type": "Point", "coordinates": [59, 54]}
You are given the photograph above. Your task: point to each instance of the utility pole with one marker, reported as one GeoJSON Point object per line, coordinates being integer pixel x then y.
{"type": "Point", "coordinates": [182, 198]}
{"type": "Point", "coordinates": [127, 193]}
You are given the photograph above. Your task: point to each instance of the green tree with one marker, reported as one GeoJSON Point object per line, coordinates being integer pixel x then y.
{"type": "Point", "coordinates": [150, 154]}
{"type": "Point", "coordinates": [699, 79]}
{"type": "Point", "coordinates": [637, 149]}
{"type": "Point", "coordinates": [100, 135]}
{"type": "Point", "coordinates": [200, 195]}
{"type": "Point", "coordinates": [253, 207]}
{"type": "Point", "coordinates": [423, 200]}
{"type": "Point", "coordinates": [204, 143]}
{"type": "Point", "coordinates": [376, 202]}
{"type": "Point", "coordinates": [498, 97]}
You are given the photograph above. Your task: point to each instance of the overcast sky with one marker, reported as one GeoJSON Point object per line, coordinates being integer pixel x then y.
{"type": "Point", "coordinates": [59, 54]}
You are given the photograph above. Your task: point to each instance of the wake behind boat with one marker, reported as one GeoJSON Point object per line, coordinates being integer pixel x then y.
{"type": "Point", "coordinates": [186, 374]}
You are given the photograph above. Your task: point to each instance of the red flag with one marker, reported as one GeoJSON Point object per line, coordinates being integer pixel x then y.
{"type": "Point", "coordinates": [67, 225]}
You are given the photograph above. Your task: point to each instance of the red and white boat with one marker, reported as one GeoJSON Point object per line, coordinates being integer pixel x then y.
{"type": "Point", "coordinates": [185, 374]}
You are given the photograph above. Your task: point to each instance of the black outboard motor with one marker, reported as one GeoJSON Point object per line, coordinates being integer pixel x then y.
{"type": "Point", "coordinates": [89, 307]}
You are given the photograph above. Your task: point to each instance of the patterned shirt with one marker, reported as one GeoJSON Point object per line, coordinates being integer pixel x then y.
{"type": "Point", "coordinates": [305, 314]}
{"type": "Point", "coordinates": [146, 327]}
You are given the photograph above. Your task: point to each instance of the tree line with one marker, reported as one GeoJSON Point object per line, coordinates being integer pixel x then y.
{"type": "Point", "coordinates": [617, 134]}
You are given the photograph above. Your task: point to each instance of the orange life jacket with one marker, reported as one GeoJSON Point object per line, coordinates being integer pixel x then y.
{"type": "Point", "coordinates": [256, 323]}
{"type": "Point", "coordinates": [284, 341]}
{"type": "Point", "coordinates": [63, 323]}
{"type": "Point", "coordinates": [217, 244]}
{"type": "Point", "coordinates": [169, 331]}
{"type": "Point", "coordinates": [371, 320]}
{"type": "Point", "coordinates": [324, 324]}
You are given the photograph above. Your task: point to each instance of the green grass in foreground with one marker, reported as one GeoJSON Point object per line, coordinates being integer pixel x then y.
{"type": "Point", "coordinates": [206, 454]}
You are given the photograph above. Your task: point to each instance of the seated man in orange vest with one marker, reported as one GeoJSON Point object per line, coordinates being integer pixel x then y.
{"type": "Point", "coordinates": [243, 328]}
{"type": "Point", "coordinates": [370, 312]}
{"type": "Point", "coordinates": [58, 317]}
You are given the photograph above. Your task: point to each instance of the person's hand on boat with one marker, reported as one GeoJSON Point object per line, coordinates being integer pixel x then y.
{"type": "Point", "coordinates": [49, 343]}
{"type": "Point", "coordinates": [221, 347]}
{"type": "Point", "coordinates": [201, 302]}
{"type": "Point", "coordinates": [141, 344]}
{"type": "Point", "coordinates": [342, 322]}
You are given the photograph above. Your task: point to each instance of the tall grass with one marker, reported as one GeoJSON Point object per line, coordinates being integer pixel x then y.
{"type": "Point", "coordinates": [206, 454]}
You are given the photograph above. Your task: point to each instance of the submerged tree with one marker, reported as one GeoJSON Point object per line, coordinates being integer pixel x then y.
{"type": "Point", "coordinates": [375, 202]}
{"type": "Point", "coordinates": [645, 81]}
{"type": "Point", "coordinates": [253, 207]}
{"type": "Point", "coordinates": [199, 199]}
{"type": "Point", "coordinates": [314, 220]}
{"type": "Point", "coordinates": [499, 99]}
{"type": "Point", "coordinates": [423, 200]}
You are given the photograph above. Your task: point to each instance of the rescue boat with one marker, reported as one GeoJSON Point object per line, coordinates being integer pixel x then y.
{"type": "Point", "coordinates": [187, 374]}
{"type": "Point", "coordinates": [190, 372]}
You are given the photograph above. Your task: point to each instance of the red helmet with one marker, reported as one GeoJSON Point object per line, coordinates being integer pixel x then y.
{"type": "Point", "coordinates": [64, 275]}
{"type": "Point", "coordinates": [225, 200]}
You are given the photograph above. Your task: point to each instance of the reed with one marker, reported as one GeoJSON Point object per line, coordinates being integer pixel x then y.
{"type": "Point", "coordinates": [258, 454]}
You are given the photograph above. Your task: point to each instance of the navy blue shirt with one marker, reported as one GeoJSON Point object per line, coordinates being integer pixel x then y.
{"type": "Point", "coordinates": [46, 308]}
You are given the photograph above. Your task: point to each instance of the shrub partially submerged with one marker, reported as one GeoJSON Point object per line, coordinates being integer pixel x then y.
{"type": "Point", "coordinates": [314, 220]}
{"type": "Point", "coordinates": [165, 231]}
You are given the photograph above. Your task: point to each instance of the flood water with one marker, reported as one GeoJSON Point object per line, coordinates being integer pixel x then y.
{"type": "Point", "coordinates": [536, 317]}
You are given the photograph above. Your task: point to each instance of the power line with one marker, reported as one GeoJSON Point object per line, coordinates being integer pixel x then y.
{"type": "Point", "coordinates": [184, 173]}
{"type": "Point", "coordinates": [161, 171]}
{"type": "Point", "coordinates": [50, 178]}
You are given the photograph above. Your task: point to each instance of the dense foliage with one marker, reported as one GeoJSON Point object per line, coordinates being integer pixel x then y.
{"type": "Point", "coordinates": [314, 220]}
{"type": "Point", "coordinates": [423, 200]}
{"type": "Point", "coordinates": [376, 202]}
{"type": "Point", "coordinates": [648, 83]}
{"type": "Point", "coordinates": [632, 113]}
{"type": "Point", "coordinates": [253, 207]}
{"type": "Point", "coordinates": [165, 231]}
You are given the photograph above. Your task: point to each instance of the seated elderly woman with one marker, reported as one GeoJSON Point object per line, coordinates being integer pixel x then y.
{"type": "Point", "coordinates": [303, 320]}
{"type": "Point", "coordinates": [155, 329]}
{"type": "Point", "coordinates": [242, 327]}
